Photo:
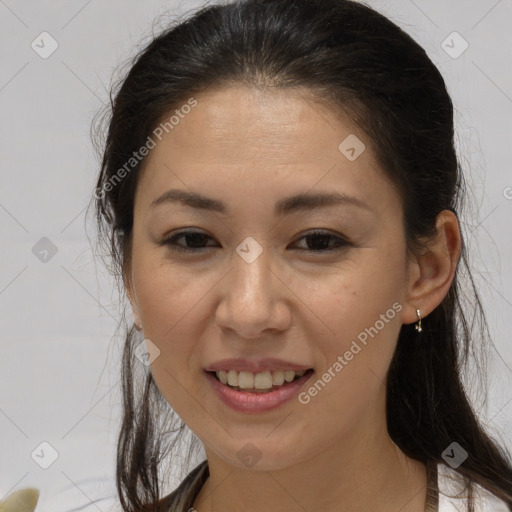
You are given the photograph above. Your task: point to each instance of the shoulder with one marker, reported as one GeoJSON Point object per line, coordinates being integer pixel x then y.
{"type": "Point", "coordinates": [453, 495]}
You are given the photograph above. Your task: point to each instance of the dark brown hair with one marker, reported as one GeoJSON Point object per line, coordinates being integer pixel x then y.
{"type": "Point", "coordinates": [355, 58]}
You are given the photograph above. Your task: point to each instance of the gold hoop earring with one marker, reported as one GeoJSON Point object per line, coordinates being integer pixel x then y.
{"type": "Point", "coordinates": [418, 325]}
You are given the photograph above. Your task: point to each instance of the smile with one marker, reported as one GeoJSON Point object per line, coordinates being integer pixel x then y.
{"type": "Point", "coordinates": [259, 382]}
{"type": "Point", "coordinates": [260, 394]}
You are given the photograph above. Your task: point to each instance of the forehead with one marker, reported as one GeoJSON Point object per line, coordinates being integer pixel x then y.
{"type": "Point", "coordinates": [278, 126]}
{"type": "Point", "coordinates": [259, 143]}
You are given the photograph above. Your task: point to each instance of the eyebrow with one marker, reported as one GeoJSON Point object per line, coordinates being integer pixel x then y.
{"type": "Point", "coordinates": [303, 201]}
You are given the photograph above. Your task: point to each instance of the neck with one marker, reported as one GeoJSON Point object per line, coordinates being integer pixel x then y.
{"type": "Point", "coordinates": [364, 473]}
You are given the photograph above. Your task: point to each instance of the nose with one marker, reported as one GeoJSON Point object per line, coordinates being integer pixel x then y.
{"type": "Point", "coordinates": [255, 298]}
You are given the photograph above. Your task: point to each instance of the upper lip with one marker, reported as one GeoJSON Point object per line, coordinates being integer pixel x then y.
{"type": "Point", "coordinates": [255, 366]}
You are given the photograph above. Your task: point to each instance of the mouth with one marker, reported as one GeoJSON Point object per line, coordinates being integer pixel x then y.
{"type": "Point", "coordinates": [262, 382]}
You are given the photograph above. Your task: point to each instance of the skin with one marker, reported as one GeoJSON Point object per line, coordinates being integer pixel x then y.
{"type": "Point", "coordinates": [249, 149]}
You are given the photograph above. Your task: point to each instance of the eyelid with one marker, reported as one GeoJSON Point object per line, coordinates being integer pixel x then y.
{"type": "Point", "coordinates": [341, 241]}
{"type": "Point", "coordinates": [170, 237]}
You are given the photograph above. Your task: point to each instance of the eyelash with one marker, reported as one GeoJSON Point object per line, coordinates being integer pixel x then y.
{"type": "Point", "coordinates": [170, 241]}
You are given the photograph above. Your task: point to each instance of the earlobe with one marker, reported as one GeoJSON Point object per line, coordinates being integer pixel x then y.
{"type": "Point", "coordinates": [433, 271]}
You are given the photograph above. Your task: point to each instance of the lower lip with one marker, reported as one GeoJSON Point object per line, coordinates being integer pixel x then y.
{"type": "Point", "coordinates": [245, 401]}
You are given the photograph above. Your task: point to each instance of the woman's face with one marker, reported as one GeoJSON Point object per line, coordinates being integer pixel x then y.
{"type": "Point", "coordinates": [255, 284]}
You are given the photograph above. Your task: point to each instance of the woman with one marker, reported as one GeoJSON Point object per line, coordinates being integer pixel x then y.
{"type": "Point", "coordinates": [317, 376]}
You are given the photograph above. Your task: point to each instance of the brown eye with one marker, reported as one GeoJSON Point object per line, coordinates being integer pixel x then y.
{"type": "Point", "coordinates": [195, 239]}
{"type": "Point", "coordinates": [320, 241]}
{"type": "Point", "coordinates": [317, 241]}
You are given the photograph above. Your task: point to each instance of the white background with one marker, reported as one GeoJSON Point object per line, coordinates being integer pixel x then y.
{"type": "Point", "coordinates": [59, 358]}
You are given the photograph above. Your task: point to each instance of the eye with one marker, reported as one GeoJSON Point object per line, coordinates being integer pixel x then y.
{"type": "Point", "coordinates": [318, 239]}
{"type": "Point", "coordinates": [196, 238]}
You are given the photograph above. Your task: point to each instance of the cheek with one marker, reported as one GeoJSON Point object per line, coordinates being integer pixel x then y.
{"type": "Point", "coordinates": [167, 300]}
{"type": "Point", "coordinates": [169, 303]}
{"type": "Point", "coordinates": [164, 292]}
{"type": "Point", "coordinates": [355, 351]}
{"type": "Point", "coordinates": [354, 297]}
{"type": "Point", "coordinates": [359, 312]}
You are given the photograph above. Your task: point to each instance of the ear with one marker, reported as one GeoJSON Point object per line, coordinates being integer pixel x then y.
{"type": "Point", "coordinates": [431, 273]}
{"type": "Point", "coordinates": [130, 291]}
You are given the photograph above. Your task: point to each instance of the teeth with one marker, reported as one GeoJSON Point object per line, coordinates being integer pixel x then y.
{"type": "Point", "coordinates": [278, 378]}
{"type": "Point", "coordinates": [232, 378]}
{"type": "Point", "coordinates": [245, 380]}
{"type": "Point", "coordinates": [262, 380]}
{"type": "Point", "coordinates": [289, 375]}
